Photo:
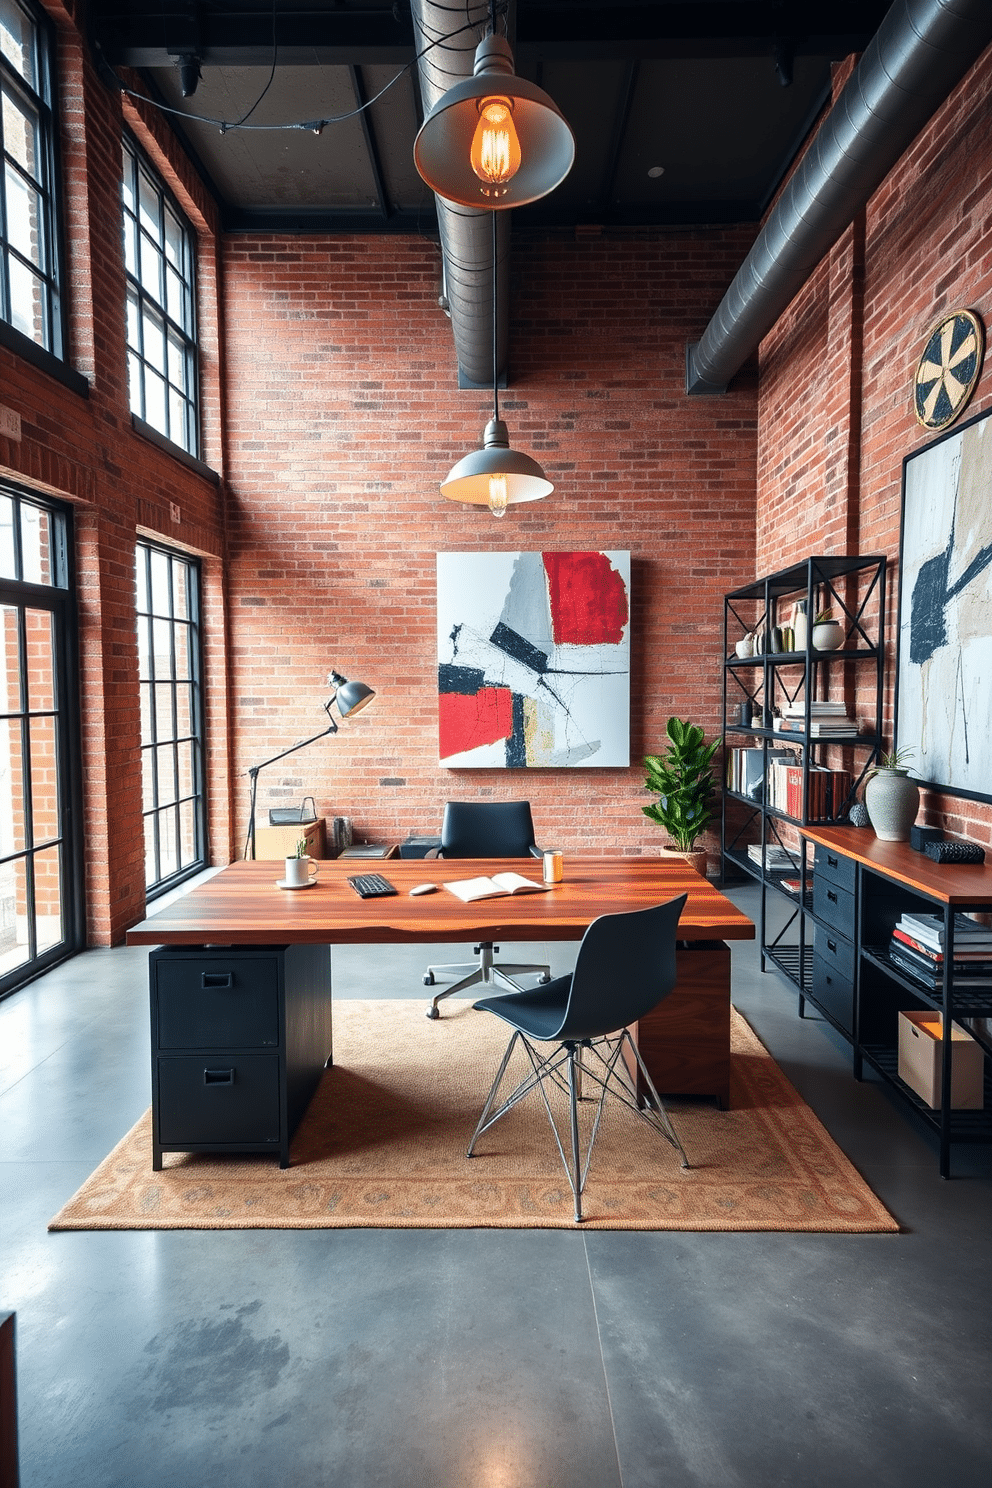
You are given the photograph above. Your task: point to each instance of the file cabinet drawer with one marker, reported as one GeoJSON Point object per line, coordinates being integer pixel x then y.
{"type": "Point", "coordinates": [217, 1002]}
{"type": "Point", "coordinates": [834, 867]}
{"type": "Point", "coordinates": [204, 1100]}
{"type": "Point", "coordinates": [834, 906]}
{"type": "Point", "coordinates": [833, 991]}
{"type": "Point", "coordinates": [833, 950]}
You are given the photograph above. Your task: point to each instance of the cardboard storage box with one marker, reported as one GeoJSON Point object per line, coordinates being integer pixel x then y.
{"type": "Point", "coordinates": [920, 1053]}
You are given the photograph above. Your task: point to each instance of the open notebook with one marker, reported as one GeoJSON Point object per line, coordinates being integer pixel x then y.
{"type": "Point", "coordinates": [470, 889]}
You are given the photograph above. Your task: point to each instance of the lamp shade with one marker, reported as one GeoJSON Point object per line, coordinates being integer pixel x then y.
{"type": "Point", "coordinates": [351, 697]}
{"type": "Point", "coordinates": [470, 479]}
{"type": "Point", "coordinates": [536, 159]}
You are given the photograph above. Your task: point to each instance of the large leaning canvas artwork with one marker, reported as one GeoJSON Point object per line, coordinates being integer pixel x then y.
{"type": "Point", "coordinates": [944, 688]}
{"type": "Point", "coordinates": [534, 659]}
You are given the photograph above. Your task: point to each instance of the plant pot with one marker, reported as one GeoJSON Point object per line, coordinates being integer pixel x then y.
{"type": "Point", "coordinates": [696, 857]}
{"type": "Point", "coordinates": [892, 801]}
{"type": "Point", "coordinates": [828, 636]}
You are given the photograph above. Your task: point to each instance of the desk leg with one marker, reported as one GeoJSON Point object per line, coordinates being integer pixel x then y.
{"type": "Point", "coordinates": [685, 1040]}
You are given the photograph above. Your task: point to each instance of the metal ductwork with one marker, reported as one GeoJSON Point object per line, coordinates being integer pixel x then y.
{"type": "Point", "coordinates": [922, 50]}
{"type": "Point", "coordinates": [466, 235]}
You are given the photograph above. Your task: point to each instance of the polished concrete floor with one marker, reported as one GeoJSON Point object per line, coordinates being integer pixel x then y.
{"type": "Point", "coordinates": [474, 1358]}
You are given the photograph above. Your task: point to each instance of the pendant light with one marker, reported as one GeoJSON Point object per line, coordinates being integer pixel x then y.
{"type": "Point", "coordinates": [494, 140]}
{"type": "Point", "coordinates": [496, 475]}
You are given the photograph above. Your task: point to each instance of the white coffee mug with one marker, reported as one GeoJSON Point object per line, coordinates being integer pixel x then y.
{"type": "Point", "coordinates": [300, 871]}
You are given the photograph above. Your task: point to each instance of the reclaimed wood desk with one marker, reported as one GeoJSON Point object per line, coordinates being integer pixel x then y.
{"type": "Point", "coordinates": [204, 1054]}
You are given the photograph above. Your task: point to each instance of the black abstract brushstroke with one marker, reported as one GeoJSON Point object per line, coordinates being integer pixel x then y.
{"type": "Point", "coordinates": [516, 744]}
{"type": "Point", "coordinates": [513, 644]}
{"type": "Point", "coordinates": [931, 596]}
{"type": "Point", "coordinates": [465, 680]}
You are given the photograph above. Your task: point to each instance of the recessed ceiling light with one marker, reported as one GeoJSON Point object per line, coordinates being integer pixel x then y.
{"type": "Point", "coordinates": [654, 171]}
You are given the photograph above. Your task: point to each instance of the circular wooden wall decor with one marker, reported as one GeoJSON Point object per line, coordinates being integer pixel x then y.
{"type": "Point", "coordinates": [948, 369]}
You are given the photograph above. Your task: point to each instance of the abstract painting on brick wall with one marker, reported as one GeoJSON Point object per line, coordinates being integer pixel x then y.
{"type": "Point", "coordinates": [944, 671]}
{"type": "Point", "coordinates": [533, 660]}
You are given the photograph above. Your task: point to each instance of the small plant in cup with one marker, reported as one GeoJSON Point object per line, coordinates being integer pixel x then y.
{"type": "Point", "coordinates": [302, 850]}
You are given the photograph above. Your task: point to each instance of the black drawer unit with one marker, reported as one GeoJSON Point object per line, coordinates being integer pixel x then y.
{"type": "Point", "coordinates": [834, 938]}
{"type": "Point", "coordinates": [240, 1039]}
{"type": "Point", "coordinates": [841, 871]}
{"type": "Point", "coordinates": [833, 978]}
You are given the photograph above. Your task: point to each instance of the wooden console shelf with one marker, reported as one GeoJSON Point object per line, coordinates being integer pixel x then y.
{"type": "Point", "coordinates": [887, 879]}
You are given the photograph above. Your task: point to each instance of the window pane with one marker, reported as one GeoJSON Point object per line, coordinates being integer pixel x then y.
{"type": "Point", "coordinates": [161, 602]}
{"type": "Point", "coordinates": [135, 380]}
{"type": "Point", "coordinates": [39, 629]}
{"type": "Point", "coordinates": [152, 270]}
{"type": "Point", "coordinates": [181, 578]}
{"type": "Point", "coordinates": [13, 826]}
{"type": "Point", "coordinates": [184, 711]}
{"type": "Point", "coordinates": [184, 759]}
{"type": "Point", "coordinates": [167, 847]}
{"type": "Point", "coordinates": [163, 711]}
{"type": "Point", "coordinates": [20, 135]}
{"type": "Point", "coordinates": [133, 323]}
{"type": "Point", "coordinates": [153, 339]}
{"type": "Point", "coordinates": [44, 781]}
{"type": "Point", "coordinates": [148, 199]}
{"type": "Point", "coordinates": [165, 774]}
{"type": "Point", "coordinates": [182, 652]}
{"type": "Point", "coordinates": [17, 41]}
{"type": "Point", "coordinates": [24, 217]}
{"type": "Point", "coordinates": [7, 569]}
{"type": "Point", "coordinates": [27, 302]}
{"type": "Point", "coordinates": [155, 401]}
{"type": "Point", "coordinates": [48, 898]}
{"type": "Point", "coordinates": [175, 301]}
{"type": "Point", "coordinates": [147, 780]}
{"type": "Point", "coordinates": [10, 661]}
{"type": "Point", "coordinates": [187, 834]}
{"type": "Point", "coordinates": [144, 649]}
{"type": "Point", "coordinates": [140, 583]}
{"type": "Point", "coordinates": [163, 648]}
{"type": "Point", "coordinates": [14, 949]}
{"type": "Point", "coordinates": [36, 549]}
{"type": "Point", "coordinates": [177, 362]}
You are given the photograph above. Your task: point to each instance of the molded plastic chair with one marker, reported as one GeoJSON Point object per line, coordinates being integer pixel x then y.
{"type": "Point", "coordinates": [625, 966]}
{"type": "Point", "coordinates": [484, 829]}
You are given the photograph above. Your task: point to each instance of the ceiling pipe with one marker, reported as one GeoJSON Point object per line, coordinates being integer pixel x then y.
{"type": "Point", "coordinates": [921, 52]}
{"type": "Point", "coordinates": [466, 234]}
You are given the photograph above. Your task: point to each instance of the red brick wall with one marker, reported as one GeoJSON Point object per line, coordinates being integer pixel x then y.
{"type": "Point", "coordinates": [344, 417]}
{"type": "Point", "coordinates": [836, 418]}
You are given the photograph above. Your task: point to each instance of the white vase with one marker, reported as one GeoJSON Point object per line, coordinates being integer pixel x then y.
{"type": "Point", "coordinates": [828, 635]}
{"type": "Point", "coordinates": [892, 801]}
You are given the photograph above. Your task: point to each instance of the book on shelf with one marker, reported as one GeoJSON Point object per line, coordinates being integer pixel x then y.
{"type": "Point", "coordinates": [746, 769]}
{"type": "Point", "coordinates": [934, 965]}
{"type": "Point", "coordinates": [968, 934]}
{"type": "Point", "coordinates": [981, 956]}
{"type": "Point", "coordinates": [470, 889]}
{"type": "Point", "coordinates": [843, 727]}
{"type": "Point", "coordinates": [934, 982]}
{"type": "Point", "coordinates": [795, 885]}
{"type": "Point", "coordinates": [777, 859]}
{"type": "Point", "coordinates": [816, 710]}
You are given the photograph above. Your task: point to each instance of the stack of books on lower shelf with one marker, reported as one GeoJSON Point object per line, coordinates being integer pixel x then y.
{"type": "Point", "coordinates": [917, 948]}
{"type": "Point", "coordinates": [824, 719]}
{"type": "Point", "coordinates": [777, 859]}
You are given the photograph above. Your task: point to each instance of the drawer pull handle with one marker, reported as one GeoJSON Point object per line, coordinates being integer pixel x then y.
{"type": "Point", "coordinates": [832, 897]}
{"type": "Point", "coordinates": [218, 1077]}
{"type": "Point", "coordinates": [832, 946]}
{"type": "Point", "coordinates": [216, 979]}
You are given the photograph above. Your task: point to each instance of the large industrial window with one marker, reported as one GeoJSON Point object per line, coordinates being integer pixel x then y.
{"type": "Point", "coordinates": [29, 258]}
{"type": "Point", "coordinates": [41, 919]}
{"type": "Point", "coordinates": [168, 605]}
{"type": "Point", "coordinates": [161, 326]}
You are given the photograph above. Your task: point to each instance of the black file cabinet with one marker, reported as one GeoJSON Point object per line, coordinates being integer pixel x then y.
{"type": "Point", "coordinates": [834, 936]}
{"type": "Point", "coordinates": [240, 1038]}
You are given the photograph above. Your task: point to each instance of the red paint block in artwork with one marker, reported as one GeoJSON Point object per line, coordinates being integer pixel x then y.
{"type": "Point", "coordinates": [588, 599]}
{"type": "Point", "coordinates": [465, 722]}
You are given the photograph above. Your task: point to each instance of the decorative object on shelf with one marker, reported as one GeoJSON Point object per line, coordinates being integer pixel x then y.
{"type": "Point", "coordinates": [828, 633]}
{"type": "Point", "coordinates": [949, 368]}
{"type": "Point", "coordinates": [533, 655]}
{"type": "Point", "coordinates": [921, 837]}
{"type": "Point", "coordinates": [292, 816]}
{"type": "Point", "coordinates": [745, 647]}
{"type": "Point", "coordinates": [955, 852]}
{"type": "Point", "coordinates": [800, 625]}
{"type": "Point", "coordinates": [892, 798]}
{"type": "Point", "coordinates": [858, 815]}
{"type": "Point", "coordinates": [776, 646]}
{"type": "Point", "coordinates": [351, 697]}
{"type": "Point", "coordinates": [944, 680]}
{"type": "Point", "coordinates": [682, 779]}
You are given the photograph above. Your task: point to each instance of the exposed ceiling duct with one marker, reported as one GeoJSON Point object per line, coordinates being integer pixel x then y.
{"type": "Point", "coordinates": [466, 235]}
{"type": "Point", "coordinates": [922, 50]}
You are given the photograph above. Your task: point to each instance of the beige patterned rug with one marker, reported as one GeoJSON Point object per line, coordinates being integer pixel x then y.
{"type": "Point", "coordinates": [383, 1144]}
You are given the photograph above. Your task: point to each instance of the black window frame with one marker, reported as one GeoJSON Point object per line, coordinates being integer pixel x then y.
{"type": "Point", "coordinates": [51, 273]}
{"type": "Point", "coordinates": [153, 813]}
{"type": "Point", "coordinates": [149, 306]}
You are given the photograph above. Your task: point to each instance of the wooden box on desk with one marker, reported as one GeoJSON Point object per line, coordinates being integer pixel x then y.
{"type": "Point", "coordinates": [685, 1040]}
{"type": "Point", "coordinates": [921, 1061]}
{"type": "Point", "coordinates": [280, 842]}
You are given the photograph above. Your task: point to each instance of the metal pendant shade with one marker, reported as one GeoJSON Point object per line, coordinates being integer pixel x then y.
{"type": "Point", "coordinates": [471, 479]}
{"type": "Point", "coordinates": [443, 149]}
{"type": "Point", "coordinates": [350, 697]}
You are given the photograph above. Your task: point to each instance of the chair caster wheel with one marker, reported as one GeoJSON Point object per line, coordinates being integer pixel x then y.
{"type": "Point", "coordinates": [433, 1012]}
{"type": "Point", "coordinates": [428, 979]}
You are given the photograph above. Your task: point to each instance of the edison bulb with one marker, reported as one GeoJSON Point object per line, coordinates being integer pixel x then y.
{"type": "Point", "coordinates": [497, 495]}
{"type": "Point", "coordinates": [495, 152]}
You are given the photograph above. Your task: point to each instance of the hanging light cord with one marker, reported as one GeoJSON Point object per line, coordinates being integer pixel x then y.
{"type": "Point", "coordinates": [495, 324]}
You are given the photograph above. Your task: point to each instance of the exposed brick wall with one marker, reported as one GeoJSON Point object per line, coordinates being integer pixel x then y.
{"type": "Point", "coordinates": [345, 416]}
{"type": "Point", "coordinates": [836, 418]}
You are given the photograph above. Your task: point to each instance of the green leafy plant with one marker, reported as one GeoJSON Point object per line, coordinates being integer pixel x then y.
{"type": "Point", "coordinates": [897, 759]}
{"type": "Point", "coordinates": [302, 850]}
{"type": "Point", "coordinates": [825, 617]}
{"type": "Point", "coordinates": [682, 780]}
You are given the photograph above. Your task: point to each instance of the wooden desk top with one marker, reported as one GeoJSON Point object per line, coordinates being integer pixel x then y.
{"type": "Point", "coordinates": [951, 883]}
{"type": "Point", "coordinates": [241, 905]}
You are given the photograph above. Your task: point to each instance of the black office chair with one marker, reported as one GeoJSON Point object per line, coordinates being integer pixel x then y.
{"type": "Point", "coordinates": [625, 967]}
{"type": "Point", "coordinates": [484, 829]}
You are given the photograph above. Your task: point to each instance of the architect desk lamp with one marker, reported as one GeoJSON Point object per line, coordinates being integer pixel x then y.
{"type": "Point", "coordinates": [351, 697]}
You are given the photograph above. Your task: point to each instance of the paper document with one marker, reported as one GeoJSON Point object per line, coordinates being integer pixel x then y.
{"type": "Point", "coordinates": [470, 889]}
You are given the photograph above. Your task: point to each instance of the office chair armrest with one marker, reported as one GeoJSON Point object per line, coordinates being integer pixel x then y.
{"type": "Point", "coordinates": [536, 852]}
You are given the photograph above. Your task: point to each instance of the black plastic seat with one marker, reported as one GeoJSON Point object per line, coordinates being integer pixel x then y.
{"type": "Point", "coordinates": [484, 829]}
{"type": "Point", "coordinates": [625, 966]}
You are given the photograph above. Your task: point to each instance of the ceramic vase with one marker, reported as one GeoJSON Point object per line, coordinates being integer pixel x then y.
{"type": "Point", "coordinates": [696, 858]}
{"type": "Point", "coordinates": [828, 635]}
{"type": "Point", "coordinates": [892, 801]}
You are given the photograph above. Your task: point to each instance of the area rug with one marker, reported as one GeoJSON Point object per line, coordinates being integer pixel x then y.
{"type": "Point", "coordinates": [383, 1144]}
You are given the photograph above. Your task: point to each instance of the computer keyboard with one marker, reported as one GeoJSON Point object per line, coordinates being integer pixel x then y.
{"type": "Point", "coordinates": [371, 885]}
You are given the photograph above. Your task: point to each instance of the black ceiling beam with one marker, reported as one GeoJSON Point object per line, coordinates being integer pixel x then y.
{"type": "Point", "coordinates": [620, 122]}
{"type": "Point", "coordinates": [371, 143]}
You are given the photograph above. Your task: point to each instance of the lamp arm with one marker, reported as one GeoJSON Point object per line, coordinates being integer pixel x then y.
{"type": "Point", "coordinates": [253, 770]}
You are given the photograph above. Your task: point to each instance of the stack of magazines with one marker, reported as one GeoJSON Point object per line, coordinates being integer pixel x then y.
{"type": "Point", "coordinates": [917, 947]}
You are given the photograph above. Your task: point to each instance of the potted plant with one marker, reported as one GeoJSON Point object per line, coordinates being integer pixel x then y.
{"type": "Point", "coordinates": [682, 780]}
{"type": "Point", "coordinates": [891, 798]}
{"type": "Point", "coordinates": [828, 633]}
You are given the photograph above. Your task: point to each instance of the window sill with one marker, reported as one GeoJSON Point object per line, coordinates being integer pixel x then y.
{"type": "Point", "coordinates": [175, 450]}
{"type": "Point", "coordinates": [46, 361]}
